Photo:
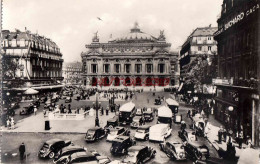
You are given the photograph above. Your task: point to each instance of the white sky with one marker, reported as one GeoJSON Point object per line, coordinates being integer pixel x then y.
{"type": "Point", "coordinates": [71, 23]}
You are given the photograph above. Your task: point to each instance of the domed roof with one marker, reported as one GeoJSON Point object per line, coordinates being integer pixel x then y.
{"type": "Point", "coordinates": [136, 35]}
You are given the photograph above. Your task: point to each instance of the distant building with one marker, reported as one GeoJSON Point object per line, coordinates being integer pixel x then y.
{"type": "Point", "coordinates": [36, 60]}
{"type": "Point", "coordinates": [237, 100]}
{"type": "Point", "coordinates": [72, 72]}
{"type": "Point", "coordinates": [200, 43]}
{"type": "Point", "coordinates": [136, 59]}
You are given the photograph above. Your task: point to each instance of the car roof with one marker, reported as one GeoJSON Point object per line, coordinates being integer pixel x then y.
{"type": "Point", "coordinates": [117, 128]}
{"type": "Point", "coordinates": [196, 143]}
{"type": "Point", "coordinates": [71, 147]}
{"type": "Point", "coordinates": [82, 154]}
{"type": "Point", "coordinates": [95, 128]}
{"type": "Point", "coordinates": [164, 111]}
{"type": "Point", "coordinates": [136, 148]}
{"type": "Point", "coordinates": [127, 107]}
{"type": "Point", "coordinates": [144, 127]}
{"type": "Point", "coordinates": [170, 101]}
{"type": "Point", "coordinates": [175, 143]}
{"type": "Point", "coordinates": [112, 119]}
{"type": "Point", "coordinates": [121, 138]}
{"type": "Point", "coordinates": [149, 112]}
{"type": "Point", "coordinates": [52, 141]}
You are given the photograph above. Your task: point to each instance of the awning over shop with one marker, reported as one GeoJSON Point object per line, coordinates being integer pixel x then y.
{"type": "Point", "coordinates": [31, 91]}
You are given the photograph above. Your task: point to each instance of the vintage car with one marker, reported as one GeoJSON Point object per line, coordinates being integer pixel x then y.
{"type": "Point", "coordinates": [47, 103]}
{"type": "Point", "coordinates": [187, 135]}
{"type": "Point", "coordinates": [68, 100]}
{"type": "Point", "coordinates": [157, 101]}
{"type": "Point", "coordinates": [112, 122]}
{"type": "Point", "coordinates": [196, 150]}
{"type": "Point", "coordinates": [14, 105]}
{"type": "Point", "coordinates": [85, 157]}
{"type": "Point", "coordinates": [117, 131]}
{"type": "Point", "coordinates": [95, 134]}
{"type": "Point", "coordinates": [142, 133]}
{"type": "Point", "coordinates": [66, 151]}
{"type": "Point", "coordinates": [173, 105]}
{"type": "Point", "coordinates": [126, 113]}
{"type": "Point", "coordinates": [159, 132]}
{"type": "Point", "coordinates": [139, 154]}
{"type": "Point", "coordinates": [121, 144]}
{"type": "Point", "coordinates": [27, 110]}
{"type": "Point", "coordinates": [137, 121]}
{"type": "Point", "coordinates": [174, 150]}
{"type": "Point", "coordinates": [149, 115]}
{"type": "Point", "coordinates": [139, 112]}
{"type": "Point", "coordinates": [51, 147]}
{"type": "Point", "coordinates": [36, 102]}
{"type": "Point", "coordinates": [43, 99]}
{"type": "Point", "coordinates": [164, 115]}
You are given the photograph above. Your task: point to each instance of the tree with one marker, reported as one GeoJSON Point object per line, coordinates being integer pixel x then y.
{"type": "Point", "coordinates": [10, 66]}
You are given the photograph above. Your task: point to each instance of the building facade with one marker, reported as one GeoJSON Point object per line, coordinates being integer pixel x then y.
{"type": "Point", "coordinates": [31, 59]}
{"type": "Point", "coordinates": [136, 59]}
{"type": "Point", "coordinates": [72, 73]}
{"type": "Point", "coordinates": [199, 44]}
{"type": "Point", "coordinates": [237, 97]}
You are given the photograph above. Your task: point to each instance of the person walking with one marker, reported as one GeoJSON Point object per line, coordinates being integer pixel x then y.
{"type": "Point", "coordinates": [12, 123]}
{"type": "Point", "coordinates": [22, 151]}
{"type": "Point", "coordinates": [35, 110]}
{"type": "Point", "coordinates": [107, 110]}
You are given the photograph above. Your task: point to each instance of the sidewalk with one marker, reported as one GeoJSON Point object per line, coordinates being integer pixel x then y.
{"type": "Point", "coordinates": [212, 137]}
{"type": "Point", "coordinates": [36, 124]}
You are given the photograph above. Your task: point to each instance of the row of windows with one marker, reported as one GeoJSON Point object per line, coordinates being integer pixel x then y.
{"type": "Point", "coordinates": [127, 68]}
{"type": "Point", "coordinates": [47, 74]}
{"type": "Point", "coordinates": [44, 63]}
{"type": "Point", "coordinates": [200, 48]}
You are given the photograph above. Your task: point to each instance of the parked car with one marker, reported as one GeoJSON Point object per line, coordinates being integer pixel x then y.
{"type": "Point", "coordinates": [36, 102]}
{"type": "Point", "coordinates": [159, 132]}
{"type": "Point", "coordinates": [112, 122]}
{"type": "Point", "coordinates": [196, 150]}
{"type": "Point", "coordinates": [157, 101]}
{"type": "Point", "coordinates": [14, 105]}
{"type": "Point", "coordinates": [117, 131]}
{"type": "Point", "coordinates": [142, 133]}
{"type": "Point", "coordinates": [85, 157]}
{"type": "Point", "coordinates": [95, 134]}
{"type": "Point", "coordinates": [149, 115]}
{"type": "Point", "coordinates": [51, 147]}
{"type": "Point", "coordinates": [47, 103]}
{"type": "Point", "coordinates": [187, 135]}
{"type": "Point", "coordinates": [68, 100]}
{"type": "Point", "coordinates": [174, 150]}
{"type": "Point", "coordinates": [27, 110]}
{"type": "Point", "coordinates": [67, 151]}
{"type": "Point", "coordinates": [121, 144]}
{"type": "Point", "coordinates": [139, 154]}
{"type": "Point", "coordinates": [137, 121]}
{"type": "Point", "coordinates": [139, 112]}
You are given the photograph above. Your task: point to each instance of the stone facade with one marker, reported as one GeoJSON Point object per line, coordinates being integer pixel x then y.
{"type": "Point", "coordinates": [72, 73]}
{"type": "Point", "coordinates": [135, 59]}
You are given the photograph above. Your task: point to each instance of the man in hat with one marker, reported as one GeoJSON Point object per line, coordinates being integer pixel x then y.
{"type": "Point", "coordinates": [35, 109]}
{"type": "Point", "coordinates": [22, 151]}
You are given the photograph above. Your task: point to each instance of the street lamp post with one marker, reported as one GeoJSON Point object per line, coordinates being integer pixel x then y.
{"type": "Point", "coordinates": [98, 104]}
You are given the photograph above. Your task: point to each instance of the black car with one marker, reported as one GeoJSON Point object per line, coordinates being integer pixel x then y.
{"type": "Point", "coordinates": [148, 115]}
{"type": "Point", "coordinates": [66, 151]}
{"type": "Point", "coordinates": [112, 122]}
{"type": "Point", "coordinates": [85, 157]}
{"type": "Point", "coordinates": [27, 110]}
{"type": "Point", "coordinates": [121, 144]}
{"type": "Point", "coordinates": [174, 150]}
{"type": "Point", "coordinates": [95, 134]}
{"type": "Point", "coordinates": [51, 147]}
{"type": "Point", "coordinates": [139, 154]}
{"type": "Point", "coordinates": [196, 150]}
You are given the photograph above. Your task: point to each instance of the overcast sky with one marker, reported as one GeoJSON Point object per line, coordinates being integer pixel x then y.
{"type": "Point", "coordinates": [71, 23]}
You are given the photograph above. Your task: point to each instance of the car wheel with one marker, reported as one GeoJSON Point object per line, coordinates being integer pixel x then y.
{"type": "Point", "coordinates": [51, 155]}
{"type": "Point", "coordinates": [110, 126]}
{"type": "Point", "coordinates": [146, 138]}
{"type": "Point", "coordinates": [168, 155]}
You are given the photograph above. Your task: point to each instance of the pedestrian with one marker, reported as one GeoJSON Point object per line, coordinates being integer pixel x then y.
{"type": "Point", "coordinates": [183, 125]}
{"type": "Point", "coordinates": [35, 110]}
{"type": "Point", "coordinates": [12, 123]}
{"type": "Point", "coordinates": [240, 139]}
{"type": "Point", "coordinates": [102, 111]}
{"type": "Point", "coordinates": [220, 132]}
{"type": "Point", "coordinates": [188, 114]}
{"type": "Point", "coordinates": [249, 142]}
{"type": "Point", "coordinates": [107, 110]}
{"type": "Point", "coordinates": [22, 151]}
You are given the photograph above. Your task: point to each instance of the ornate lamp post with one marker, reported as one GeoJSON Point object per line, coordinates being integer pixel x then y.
{"type": "Point", "coordinates": [97, 105]}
